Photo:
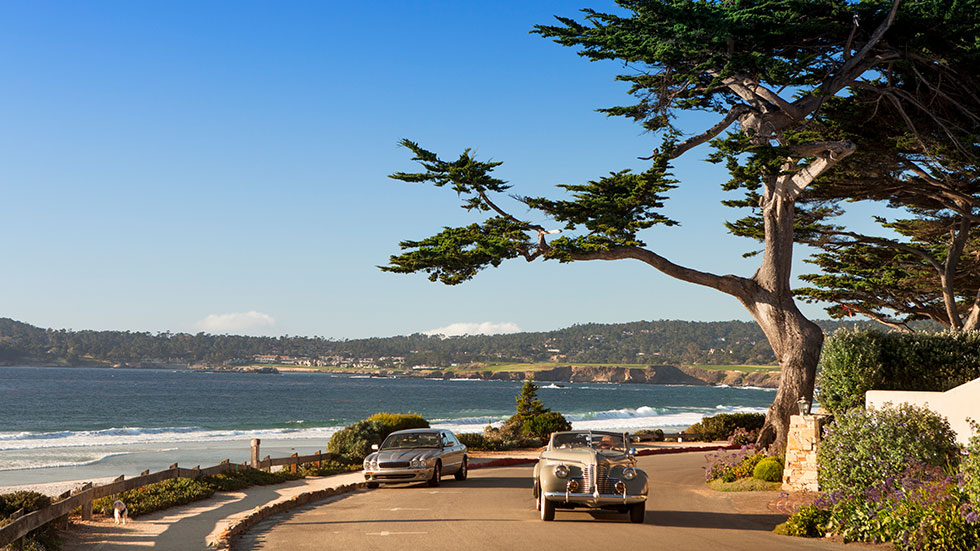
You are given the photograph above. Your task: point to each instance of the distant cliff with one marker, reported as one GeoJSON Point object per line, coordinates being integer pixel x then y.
{"type": "Point", "coordinates": [656, 375]}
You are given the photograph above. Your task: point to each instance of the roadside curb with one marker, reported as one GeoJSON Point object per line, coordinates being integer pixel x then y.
{"type": "Point", "coordinates": [224, 539]}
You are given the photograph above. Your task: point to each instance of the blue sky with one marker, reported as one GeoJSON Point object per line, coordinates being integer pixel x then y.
{"type": "Point", "coordinates": [222, 166]}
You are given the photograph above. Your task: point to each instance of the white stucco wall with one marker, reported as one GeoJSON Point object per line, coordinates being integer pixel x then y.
{"type": "Point", "coordinates": [956, 404]}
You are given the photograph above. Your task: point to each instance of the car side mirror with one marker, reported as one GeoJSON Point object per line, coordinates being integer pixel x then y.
{"type": "Point", "coordinates": [374, 447]}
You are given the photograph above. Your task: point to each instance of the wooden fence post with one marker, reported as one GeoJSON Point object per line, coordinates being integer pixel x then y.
{"type": "Point", "coordinates": [293, 467]}
{"type": "Point", "coordinates": [318, 462]}
{"type": "Point", "coordinates": [255, 453]}
{"type": "Point", "coordinates": [87, 505]}
{"type": "Point", "coordinates": [267, 463]}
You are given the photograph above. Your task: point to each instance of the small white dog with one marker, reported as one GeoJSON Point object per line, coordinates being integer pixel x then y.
{"type": "Point", "coordinates": [120, 511]}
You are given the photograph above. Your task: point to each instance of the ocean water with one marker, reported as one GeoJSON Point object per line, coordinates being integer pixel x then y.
{"type": "Point", "coordinates": [74, 423]}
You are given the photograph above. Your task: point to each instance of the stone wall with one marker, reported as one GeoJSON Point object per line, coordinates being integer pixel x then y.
{"type": "Point", "coordinates": [800, 470]}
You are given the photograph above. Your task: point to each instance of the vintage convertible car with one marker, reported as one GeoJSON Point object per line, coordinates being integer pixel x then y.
{"type": "Point", "coordinates": [416, 455]}
{"type": "Point", "coordinates": [590, 469]}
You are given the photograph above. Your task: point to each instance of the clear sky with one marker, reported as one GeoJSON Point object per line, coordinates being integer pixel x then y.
{"type": "Point", "coordinates": [222, 166]}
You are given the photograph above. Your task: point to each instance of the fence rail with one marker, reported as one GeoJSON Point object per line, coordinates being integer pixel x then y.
{"type": "Point", "coordinates": [23, 525]}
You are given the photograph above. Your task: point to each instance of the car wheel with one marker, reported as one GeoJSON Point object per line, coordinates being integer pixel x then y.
{"type": "Point", "coordinates": [547, 509]}
{"type": "Point", "coordinates": [637, 512]}
{"type": "Point", "coordinates": [436, 474]}
{"type": "Point", "coordinates": [461, 473]}
{"type": "Point", "coordinates": [372, 485]}
{"type": "Point", "coordinates": [537, 496]}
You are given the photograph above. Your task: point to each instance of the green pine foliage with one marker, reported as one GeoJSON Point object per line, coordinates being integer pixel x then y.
{"type": "Point", "coordinates": [532, 419]}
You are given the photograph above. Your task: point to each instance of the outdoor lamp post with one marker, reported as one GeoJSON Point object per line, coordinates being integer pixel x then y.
{"type": "Point", "coordinates": [804, 406]}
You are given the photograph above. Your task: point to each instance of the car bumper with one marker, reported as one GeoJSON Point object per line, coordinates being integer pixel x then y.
{"type": "Point", "coordinates": [398, 476]}
{"type": "Point", "coordinates": [594, 500]}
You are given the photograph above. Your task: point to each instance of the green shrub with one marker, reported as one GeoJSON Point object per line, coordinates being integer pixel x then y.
{"type": "Point", "coordinates": [328, 468]}
{"type": "Point", "coordinates": [543, 424]}
{"type": "Point", "coordinates": [854, 362]}
{"type": "Point", "coordinates": [769, 469]}
{"type": "Point", "coordinates": [42, 539]}
{"type": "Point", "coordinates": [399, 421]}
{"type": "Point", "coordinates": [807, 522]}
{"type": "Point", "coordinates": [647, 435]}
{"type": "Point", "coordinates": [232, 481]}
{"type": "Point", "coordinates": [494, 440]}
{"type": "Point", "coordinates": [970, 467]}
{"type": "Point", "coordinates": [724, 425]}
{"type": "Point", "coordinates": [731, 466]}
{"type": "Point", "coordinates": [353, 442]}
{"type": "Point", "coordinates": [922, 509]}
{"type": "Point", "coordinates": [27, 500]}
{"type": "Point", "coordinates": [158, 496]}
{"type": "Point", "coordinates": [863, 447]}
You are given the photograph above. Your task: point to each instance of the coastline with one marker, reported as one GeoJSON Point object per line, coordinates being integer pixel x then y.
{"type": "Point", "coordinates": [652, 375]}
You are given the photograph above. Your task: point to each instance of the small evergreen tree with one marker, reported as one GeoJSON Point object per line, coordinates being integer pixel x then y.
{"type": "Point", "coordinates": [532, 418]}
{"type": "Point", "coordinates": [528, 404]}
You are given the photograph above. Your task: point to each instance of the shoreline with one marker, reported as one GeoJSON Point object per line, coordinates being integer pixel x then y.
{"type": "Point", "coordinates": [651, 375]}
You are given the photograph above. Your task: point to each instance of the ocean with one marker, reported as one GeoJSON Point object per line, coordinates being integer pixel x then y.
{"type": "Point", "coordinates": [76, 423]}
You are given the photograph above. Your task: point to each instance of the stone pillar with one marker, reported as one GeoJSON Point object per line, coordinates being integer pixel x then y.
{"type": "Point", "coordinates": [800, 470]}
{"type": "Point", "coordinates": [255, 453]}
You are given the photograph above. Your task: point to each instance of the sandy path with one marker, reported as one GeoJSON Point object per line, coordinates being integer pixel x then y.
{"type": "Point", "coordinates": [191, 526]}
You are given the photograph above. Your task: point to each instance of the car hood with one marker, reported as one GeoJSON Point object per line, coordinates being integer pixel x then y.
{"type": "Point", "coordinates": [403, 455]}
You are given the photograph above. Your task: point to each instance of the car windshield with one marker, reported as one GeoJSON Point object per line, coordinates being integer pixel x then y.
{"type": "Point", "coordinates": [411, 440]}
{"type": "Point", "coordinates": [597, 441]}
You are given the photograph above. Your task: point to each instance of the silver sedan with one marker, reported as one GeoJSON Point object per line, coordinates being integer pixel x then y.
{"type": "Point", "coordinates": [416, 455]}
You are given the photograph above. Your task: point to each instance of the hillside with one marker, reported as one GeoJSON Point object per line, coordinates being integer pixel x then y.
{"type": "Point", "coordinates": [641, 343]}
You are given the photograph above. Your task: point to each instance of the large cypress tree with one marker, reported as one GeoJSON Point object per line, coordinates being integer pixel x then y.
{"type": "Point", "coordinates": [766, 69]}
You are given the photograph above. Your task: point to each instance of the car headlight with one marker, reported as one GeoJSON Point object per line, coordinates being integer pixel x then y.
{"type": "Point", "coordinates": [417, 463]}
{"type": "Point", "coordinates": [561, 471]}
{"type": "Point", "coordinates": [629, 473]}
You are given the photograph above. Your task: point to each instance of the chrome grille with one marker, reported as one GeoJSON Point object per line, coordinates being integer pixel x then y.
{"type": "Point", "coordinates": [606, 484]}
{"type": "Point", "coordinates": [586, 479]}
{"type": "Point", "coordinates": [393, 464]}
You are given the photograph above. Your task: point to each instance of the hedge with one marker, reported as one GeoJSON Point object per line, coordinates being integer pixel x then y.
{"type": "Point", "coordinates": [854, 362]}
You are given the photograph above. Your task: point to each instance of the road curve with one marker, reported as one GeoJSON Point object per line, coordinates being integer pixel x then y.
{"type": "Point", "coordinates": [494, 509]}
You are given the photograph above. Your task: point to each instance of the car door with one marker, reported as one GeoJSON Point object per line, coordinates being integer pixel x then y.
{"type": "Point", "coordinates": [452, 453]}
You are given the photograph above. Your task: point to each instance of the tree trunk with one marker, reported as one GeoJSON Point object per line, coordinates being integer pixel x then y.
{"type": "Point", "coordinates": [796, 341]}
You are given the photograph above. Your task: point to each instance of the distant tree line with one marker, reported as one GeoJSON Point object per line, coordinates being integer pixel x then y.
{"type": "Point", "coordinates": [641, 342]}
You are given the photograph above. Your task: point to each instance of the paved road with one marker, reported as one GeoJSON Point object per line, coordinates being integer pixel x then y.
{"type": "Point", "coordinates": [494, 510]}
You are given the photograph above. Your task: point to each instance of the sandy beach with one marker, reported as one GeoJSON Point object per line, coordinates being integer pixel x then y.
{"type": "Point", "coordinates": [54, 489]}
